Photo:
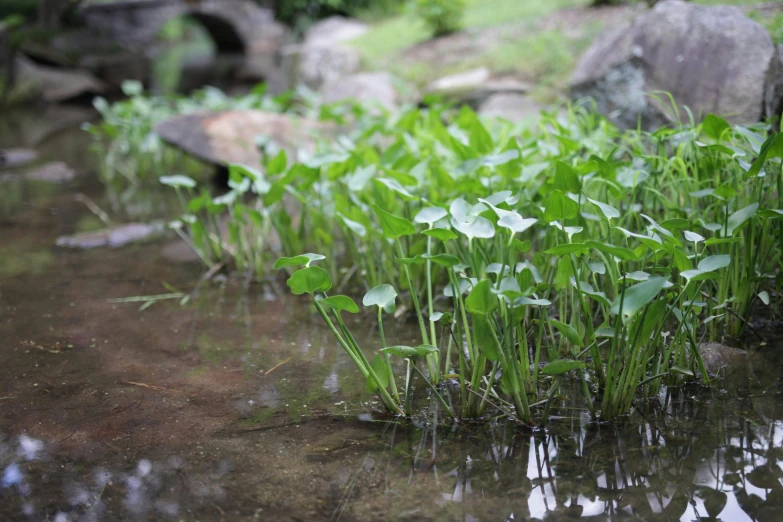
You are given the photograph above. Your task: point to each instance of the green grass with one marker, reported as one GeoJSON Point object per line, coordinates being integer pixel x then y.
{"type": "Point", "coordinates": [402, 31]}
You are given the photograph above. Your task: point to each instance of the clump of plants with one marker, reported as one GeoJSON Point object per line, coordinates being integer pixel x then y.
{"type": "Point", "coordinates": [528, 256]}
{"type": "Point", "coordinates": [441, 16]}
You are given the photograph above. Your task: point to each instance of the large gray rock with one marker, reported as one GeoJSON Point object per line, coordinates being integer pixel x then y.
{"type": "Point", "coordinates": [324, 55]}
{"type": "Point", "coordinates": [377, 87]}
{"type": "Point", "coordinates": [710, 58]}
{"type": "Point", "coordinates": [233, 136]}
{"type": "Point", "coordinates": [53, 84]}
{"type": "Point", "coordinates": [510, 106]}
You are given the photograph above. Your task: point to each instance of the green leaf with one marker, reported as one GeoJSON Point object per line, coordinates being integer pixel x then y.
{"type": "Point", "coordinates": [566, 178]}
{"type": "Point", "coordinates": [712, 263]}
{"type": "Point", "coordinates": [341, 303]}
{"type": "Point", "coordinates": [309, 280]}
{"type": "Point", "coordinates": [443, 234]}
{"type": "Point", "coordinates": [354, 226]}
{"type": "Point", "coordinates": [567, 248]}
{"type": "Point", "coordinates": [481, 300]}
{"type": "Point", "coordinates": [638, 296]}
{"type": "Point", "coordinates": [608, 211]}
{"type": "Point", "coordinates": [560, 207]}
{"type": "Point", "coordinates": [681, 370]}
{"type": "Point", "coordinates": [178, 181]}
{"type": "Point", "coordinates": [516, 223]}
{"type": "Point", "coordinates": [481, 228]}
{"type": "Point", "coordinates": [277, 164]}
{"type": "Point", "coordinates": [725, 192]}
{"type": "Point", "coordinates": [569, 332]}
{"type": "Point", "coordinates": [621, 253]}
{"type": "Point", "coordinates": [737, 219]}
{"type": "Point", "coordinates": [772, 148]}
{"type": "Point", "coordinates": [381, 369]}
{"type": "Point", "coordinates": [410, 352]}
{"type": "Point", "coordinates": [446, 260]}
{"type": "Point", "coordinates": [394, 227]}
{"type": "Point", "coordinates": [714, 127]}
{"type": "Point", "coordinates": [430, 215]}
{"type": "Point", "coordinates": [483, 338]}
{"type": "Point", "coordinates": [561, 366]}
{"type": "Point", "coordinates": [520, 246]}
{"type": "Point", "coordinates": [302, 259]}
{"type": "Point", "coordinates": [383, 296]}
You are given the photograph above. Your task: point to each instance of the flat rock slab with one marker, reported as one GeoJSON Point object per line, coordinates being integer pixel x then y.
{"type": "Point", "coordinates": [10, 158]}
{"type": "Point", "coordinates": [229, 137]}
{"type": "Point", "coordinates": [113, 237]}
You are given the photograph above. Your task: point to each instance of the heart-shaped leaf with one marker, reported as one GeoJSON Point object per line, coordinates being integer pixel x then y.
{"type": "Point", "coordinates": [394, 227]}
{"type": "Point", "coordinates": [569, 332]}
{"type": "Point", "coordinates": [560, 207]}
{"type": "Point", "coordinates": [309, 280]}
{"type": "Point", "coordinates": [443, 234]}
{"type": "Point", "coordinates": [383, 296]}
{"type": "Point", "coordinates": [430, 215]}
{"type": "Point", "coordinates": [302, 259]}
{"type": "Point", "coordinates": [341, 303]}
{"type": "Point", "coordinates": [638, 296]}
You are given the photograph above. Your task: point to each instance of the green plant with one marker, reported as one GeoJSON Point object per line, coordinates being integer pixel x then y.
{"type": "Point", "coordinates": [608, 256]}
{"type": "Point", "coordinates": [441, 16]}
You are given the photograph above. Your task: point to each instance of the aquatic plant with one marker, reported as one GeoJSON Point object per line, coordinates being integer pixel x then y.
{"type": "Point", "coordinates": [527, 255]}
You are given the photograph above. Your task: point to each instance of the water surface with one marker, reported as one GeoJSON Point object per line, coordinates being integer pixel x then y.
{"type": "Point", "coordinates": [239, 405]}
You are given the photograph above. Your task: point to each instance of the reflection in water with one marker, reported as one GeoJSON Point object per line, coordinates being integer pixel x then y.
{"type": "Point", "coordinates": [705, 458]}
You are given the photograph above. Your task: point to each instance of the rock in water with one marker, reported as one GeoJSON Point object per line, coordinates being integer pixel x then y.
{"type": "Point", "coordinates": [716, 356]}
{"type": "Point", "coordinates": [114, 237]}
{"type": "Point", "coordinates": [232, 136]}
{"type": "Point", "coordinates": [710, 58]}
{"type": "Point", "coordinates": [17, 157]}
{"type": "Point", "coordinates": [54, 172]}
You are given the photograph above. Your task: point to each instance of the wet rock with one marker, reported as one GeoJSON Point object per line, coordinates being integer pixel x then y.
{"type": "Point", "coordinates": [17, 157]}
{"type": "Point", "coordinates": [510, 106]}
{"type": "Point", "coordinates": [716, 356]}
{"type": "Point", "coordinates": [54, 172]}
{"type": "Point", "coordinates": [377, 87]}
{"type": "Point", "coordinates": [324, 55]}
{"type": "Point", "coordinates": [50, 83]}
{"type": "Point", "coordinates": [710, 58]}
{"type": "Point", "coordinates": [179, 252]}
{"type": "Point", "coordinates": [232, 136]}
{"type": "Point", "coordinates": [114, 237]}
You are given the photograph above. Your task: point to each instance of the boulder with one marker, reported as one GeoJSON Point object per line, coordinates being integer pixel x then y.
{"type": "Point", "coordinates": [228, 137]}
{"type": "Point", "coordinates": [324, 55]}
{"type": "Point", "coordinates": [712, 59]}
{"type": "Point", "coordinates": [377, 87]}
{"type": "Point", "coordinates": [510, 106]}
{"type": "Point", "coordinates": [53, 84]}
{"type": "Point", "coordinates": [716, 356]}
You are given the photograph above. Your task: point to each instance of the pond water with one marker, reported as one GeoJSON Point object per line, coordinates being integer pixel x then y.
{"type": "Point", "coordinates": [240, 406]}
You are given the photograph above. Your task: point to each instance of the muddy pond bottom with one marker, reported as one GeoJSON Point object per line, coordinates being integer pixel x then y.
{"type": "Point", "coordinates": [238, 405]}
